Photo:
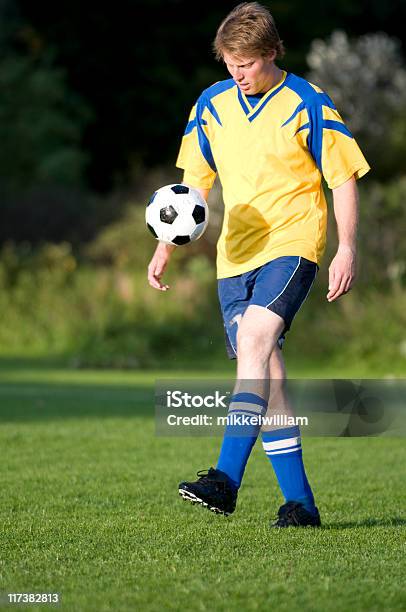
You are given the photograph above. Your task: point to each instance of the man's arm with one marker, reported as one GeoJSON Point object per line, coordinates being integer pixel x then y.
{"type": "Point", "coordinates": [162, 255]}
{"type": "Point", "coordinates": [343, 267]}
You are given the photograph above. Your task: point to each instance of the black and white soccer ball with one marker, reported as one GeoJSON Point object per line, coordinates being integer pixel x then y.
{"type": "Point", "coordinates": [177, 214]}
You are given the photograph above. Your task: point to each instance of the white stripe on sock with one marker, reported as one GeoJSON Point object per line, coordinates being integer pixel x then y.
{"type": "Point", "coordinates": [245, 406]}
{"type": "Point", "coordinates": [282, 452]}
{"type": "Point", "coordinates": [286, 443]}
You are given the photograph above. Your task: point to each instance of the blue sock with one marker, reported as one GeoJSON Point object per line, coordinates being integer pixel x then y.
{"type": "Point", "coordinates": [240, 435]}
{"type": "Point", "coordinates": [284, 449]}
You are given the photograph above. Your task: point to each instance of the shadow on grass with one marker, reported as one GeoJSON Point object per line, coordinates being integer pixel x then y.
{"type": "Point", "coordinates": [13, 363]}
{"type": "Point", "coordinates": [391, 521]}
{"type": "Point", "coordinates": [46, 388]}
{"type": "Point", "coordinates": [40, 401]}
{"type": "Point", "coordinates": [217, 361]}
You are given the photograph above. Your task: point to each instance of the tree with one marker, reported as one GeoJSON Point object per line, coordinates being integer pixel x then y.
{"type": "Point", "coordinates": [41, 124]}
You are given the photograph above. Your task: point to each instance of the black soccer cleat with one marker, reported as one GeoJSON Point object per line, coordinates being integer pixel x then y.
{"type": "Point", "coordinates": [294, 514]}
{"type": "Point", "coordinates": [212, 490]}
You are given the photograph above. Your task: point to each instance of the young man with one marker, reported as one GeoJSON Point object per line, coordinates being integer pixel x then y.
{"type": "Point", "coordinates": [270, 136]}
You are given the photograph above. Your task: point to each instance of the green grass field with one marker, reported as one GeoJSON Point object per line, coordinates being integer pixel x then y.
{"type": "Point", "coordinates": [89, 509]}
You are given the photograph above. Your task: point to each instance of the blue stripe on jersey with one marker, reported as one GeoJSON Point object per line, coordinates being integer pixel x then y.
{"type": "Point", "coordinates": [299, 108]}
{"type": "Point", "coordinates": [262, 106]}
{"type": "Point", "coordinates": [218, 88]}
{"type": "Point", "coordinates": [314, 102]}
{"type": "Point", "coordinates": [336, 125]}
{"type": "Point", "coordinates": [242, 102]}
{"type": "Point", "coordinates": [303, 127]}
{"type": "Point", "coordinates": [315, 136]}
{"type": "Point", "coordinates": [204, 102]}
{"type": "Point", "coordinates": [326, 100]}
{"type": "Point", "coordinates": [204, 143]}
{"type": "Point", "coordinates": [212, 110]}
{"type": "Point", "coordinates": [192, 124]}
{"type": "Point", "coordinates": [322, 98]}
{"type": "Point", "coordinates": [328, 124]}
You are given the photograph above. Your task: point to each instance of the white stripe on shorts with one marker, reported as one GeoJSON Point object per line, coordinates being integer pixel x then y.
{"type": "Point", "coordinates": [292, 275]}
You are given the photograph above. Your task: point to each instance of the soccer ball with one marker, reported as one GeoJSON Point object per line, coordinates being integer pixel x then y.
{"type": "Point", "coordinates": [177, 214]}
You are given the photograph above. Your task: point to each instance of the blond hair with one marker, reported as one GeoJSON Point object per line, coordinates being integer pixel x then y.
{"type": "Point", "coordinates": [248, 30]}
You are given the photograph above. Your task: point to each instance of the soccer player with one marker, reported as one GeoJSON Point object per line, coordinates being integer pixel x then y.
{"type": "Point", "coordinates": [270, 136]}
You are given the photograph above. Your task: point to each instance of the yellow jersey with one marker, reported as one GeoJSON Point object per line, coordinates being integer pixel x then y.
{"type": "Point", "coordinates": [270, 156]}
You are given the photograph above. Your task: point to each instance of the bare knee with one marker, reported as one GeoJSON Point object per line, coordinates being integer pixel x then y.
{"type": "Point", "coordinates": [257, 334]}
{"type": "Point", "coordinates": [252, 346]}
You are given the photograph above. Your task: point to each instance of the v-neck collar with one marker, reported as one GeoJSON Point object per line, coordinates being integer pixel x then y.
{"type": "Point", "coordinates": [252, 112]}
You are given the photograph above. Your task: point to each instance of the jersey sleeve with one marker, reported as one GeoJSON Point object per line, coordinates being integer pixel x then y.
{"type": "Point", "coordinates": [195, 155]}
{"type": "Point", "coordinates": [332, 145]}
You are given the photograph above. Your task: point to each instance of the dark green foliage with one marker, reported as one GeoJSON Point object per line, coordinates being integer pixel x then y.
{"type": "Point", "coordinates": [90, 97]}
{"type": "Point", "coordinates": [101, 311]}
{"type": "Point", "coordinates": [41, 125]}
{"type": "Point", "coordinates": [101, 315]}
{"type": "Point", "coordinates": [142, 65]}
{"type": "Point", "coordinates": [42, 161]}
{"type": "Point", "coordinates": [53, 213]}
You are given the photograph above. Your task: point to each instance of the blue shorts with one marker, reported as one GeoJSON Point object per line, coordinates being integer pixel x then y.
{"type": "Point", "coordinates": [281, 285]}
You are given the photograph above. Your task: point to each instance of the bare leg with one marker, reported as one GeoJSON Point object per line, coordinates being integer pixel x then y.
{"type": "Point", "coordinates": [258, 333]}
{"type": "Point", "coordinates": [279, 403]}
{"type": "Point", "coordinates": [257, 337]}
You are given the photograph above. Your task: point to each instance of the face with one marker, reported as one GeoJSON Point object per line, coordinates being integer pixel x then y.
{"type": "Point", "coordinates": [252, 74]}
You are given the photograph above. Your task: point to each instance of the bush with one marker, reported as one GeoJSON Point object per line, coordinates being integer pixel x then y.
{"type": "Point", "coordinates": [366, 78]}
{"type": "Point", "coordinates": [97, 308]}
{"type": "Point", "coordinates": [105, 315]}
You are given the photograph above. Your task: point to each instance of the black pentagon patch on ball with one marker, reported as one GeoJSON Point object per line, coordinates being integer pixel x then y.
{"type": "Point", "coordinates": [168, 214]}
{"type": "Point", "coordinates": [152, 198]}
{"type": "Point", "coordinates": [199, 214]}
{"type": "Point", "coordinates": [179, 240]}
{"type": "Point", "coordinates": [151, 229]}
{"type": "Point", "coordinates": [180, 189]}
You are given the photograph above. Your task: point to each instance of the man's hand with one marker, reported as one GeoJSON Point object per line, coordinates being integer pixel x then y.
{"type": "Point", "coordinates": [158, 264]}
{"type": "Point", "coordinates": [341, 273]}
